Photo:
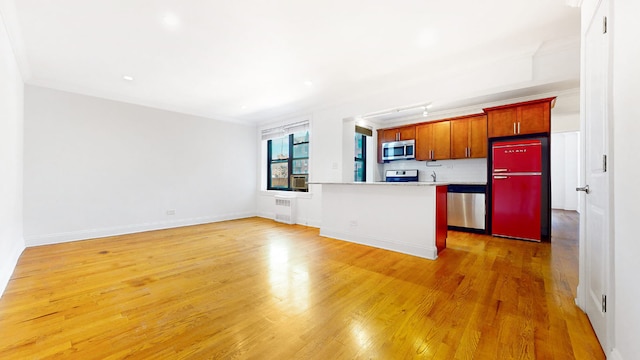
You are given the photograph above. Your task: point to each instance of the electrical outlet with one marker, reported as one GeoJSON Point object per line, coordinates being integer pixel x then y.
{"type": "Point", "coordinates": [171, 212]}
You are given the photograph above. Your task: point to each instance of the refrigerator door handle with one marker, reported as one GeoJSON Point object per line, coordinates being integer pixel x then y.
{"type": "Point", "coordinates": [499, 177]}
{"type": "Point", "coordinates": [499, 170]}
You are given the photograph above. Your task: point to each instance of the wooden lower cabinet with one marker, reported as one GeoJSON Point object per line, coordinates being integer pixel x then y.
{"type": "Point", "coordinates": [433, 141]}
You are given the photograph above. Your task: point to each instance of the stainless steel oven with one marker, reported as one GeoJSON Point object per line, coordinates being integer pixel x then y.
{"type": "Point", "coordinates": [401, 175]}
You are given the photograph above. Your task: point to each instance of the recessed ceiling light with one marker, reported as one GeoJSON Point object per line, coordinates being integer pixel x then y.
{"type": "Point", "coordinates": [171, 20]}
{"type": "Point", "coordinates": [308, 82]}
{"type": "Point", "coordinates": [244, 107]}
{"type": "Point", "coordinates": [127, 77]}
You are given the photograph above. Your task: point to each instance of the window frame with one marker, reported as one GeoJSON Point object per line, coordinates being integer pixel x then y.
{"type": "Point", "coordinates": [363, 159]}
{"type": "Point", "coordinates": [290, 159]}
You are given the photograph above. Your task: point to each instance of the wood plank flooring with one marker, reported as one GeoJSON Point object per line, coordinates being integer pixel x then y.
{"type": "Point", "coordinates": [256, 289]}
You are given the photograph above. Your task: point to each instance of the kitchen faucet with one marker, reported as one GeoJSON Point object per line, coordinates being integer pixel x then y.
{"type": "Point", "coordinates": [434, 176]}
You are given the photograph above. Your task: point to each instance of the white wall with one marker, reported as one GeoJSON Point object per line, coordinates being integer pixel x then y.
{"type": "Point", "coordinates": [96, 167]}
{"type": "Point", "coordinates": [328, 147]}
{"type": "Point", "coordinates": [565, 122]}
{"type": "Point", "coordinates": [565, 170]}
{"type": "Point", "coordinates": [11, 161]}
{"type": "Point", "coordinates": [348, 142]}
{"type": "Point", "coordinates": [626, 175]}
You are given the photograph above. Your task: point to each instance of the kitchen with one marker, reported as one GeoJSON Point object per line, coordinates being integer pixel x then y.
{"type": "Point", "coordinates": [513, 139]}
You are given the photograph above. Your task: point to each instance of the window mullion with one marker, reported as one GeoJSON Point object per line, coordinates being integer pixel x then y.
{"type": "Point", "coordinates": [290, 167]}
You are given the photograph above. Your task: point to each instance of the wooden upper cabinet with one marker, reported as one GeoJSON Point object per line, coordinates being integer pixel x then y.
{"type": "Point", "coordinates": [478, 137]}
{"type": "Point", "coordinates": [531, 117]}
{"type": "Point", "coordinates": [442, 140]}
{"type": "Point", "coordinates": [459, 138]}
{"type": "Point", "coordinates": [396, 134]}
{"type": "Point", "coordinates": [408, 132]}
{"type": "Point", "coordinates": [433, 141]}
{"type": "Point", "coordinates": [389, 135]}
{"type": "Point", "coordinates": [502, 122]}
{"type": "Point", "coordinates": [469, 137]}
{"type": "Point", "coordinates": [424, 140]}
{"type": "Point", "coordinates": [535, 118]}
{"type": "Point", "coordinates": [401, 133]}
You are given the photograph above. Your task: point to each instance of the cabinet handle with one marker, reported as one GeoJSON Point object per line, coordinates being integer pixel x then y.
{"type": "Point", "coordinates": [514, 128]}
{"type": "Point", "coordinates": [431, 154]}
{"type": "Point", "coordinates": [518, 127]}
{"type": "Point", "coordinates": [468, 152]}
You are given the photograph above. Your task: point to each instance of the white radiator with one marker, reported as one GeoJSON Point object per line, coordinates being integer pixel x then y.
{"type": "Point", "coordinates": [285, 209]}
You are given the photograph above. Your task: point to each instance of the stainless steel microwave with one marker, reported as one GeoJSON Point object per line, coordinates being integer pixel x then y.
{"type": "Point", "coordinates": [399, 150]}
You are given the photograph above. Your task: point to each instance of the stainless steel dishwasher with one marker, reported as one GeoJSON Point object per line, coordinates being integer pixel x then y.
{"type": "Point", "coordinates": [466, 207]}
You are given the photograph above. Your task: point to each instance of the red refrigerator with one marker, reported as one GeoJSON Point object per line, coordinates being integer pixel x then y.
{"type": "Point", "coordinates": [516, 189]}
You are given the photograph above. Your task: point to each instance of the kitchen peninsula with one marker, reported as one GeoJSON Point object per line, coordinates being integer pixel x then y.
{"type": "Point", "coordinates": [409, 217]}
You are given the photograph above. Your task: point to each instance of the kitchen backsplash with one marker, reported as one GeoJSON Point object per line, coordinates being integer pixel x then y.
{"type": "Point", "coordinates": [462, 170]}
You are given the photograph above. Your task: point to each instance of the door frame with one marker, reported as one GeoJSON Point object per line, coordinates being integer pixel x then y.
{"type": "Point", "coordinates": [589, 12]}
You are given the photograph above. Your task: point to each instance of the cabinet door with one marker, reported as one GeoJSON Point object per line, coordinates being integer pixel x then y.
{"type": "Point", "coordinates": [441, 142]}
{"type": "Point", "coordinates": [424, 138]}
{"type": "Point", "coordinates": [502, 122]}
{"type": "Point", "coordinates": [390, 135]}
{"type": "Point", "coordinates": [459, 138]}
{"type": "Point", "coordinates": [477, 137]}
{"type": "Point", "coordinates": [407, 132]}
{"type": "Point", "coordinates": [533, 118]}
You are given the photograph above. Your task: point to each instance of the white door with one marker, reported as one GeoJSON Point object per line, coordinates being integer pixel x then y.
{"type": "Point", "coordinates": [595, 238]}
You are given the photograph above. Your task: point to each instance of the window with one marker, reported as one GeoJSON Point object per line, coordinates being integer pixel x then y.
{"type": "Point", "coordinates": [360, 168]}
{"type": "Point", "coordinates": [360, 165]}
{"type": "Point", "coordinates": [286, 156]}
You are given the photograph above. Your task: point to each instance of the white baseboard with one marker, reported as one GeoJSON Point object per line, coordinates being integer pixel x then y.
{"type": "Point", "coordinates": [309, 222]}
{"type": "Point", "coordinates": [423, 252]}
{"type": "Point", "coordinates": [7, 267]}
{"type": "Point", "coordinates": [299, 221]}
{"type": "Point", "coordinates": [614, 355]}
{"type": "Point", "coordinates": [57, 238]}
{"type": "Point", "coordinates": [579, 300]}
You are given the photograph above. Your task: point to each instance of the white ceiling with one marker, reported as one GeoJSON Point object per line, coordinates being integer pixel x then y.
{"type": "Point", "coordinates": [248, 60]}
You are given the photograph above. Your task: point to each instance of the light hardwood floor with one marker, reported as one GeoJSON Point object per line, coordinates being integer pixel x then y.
{"type": "Point", "coordinates": [256, 289]}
